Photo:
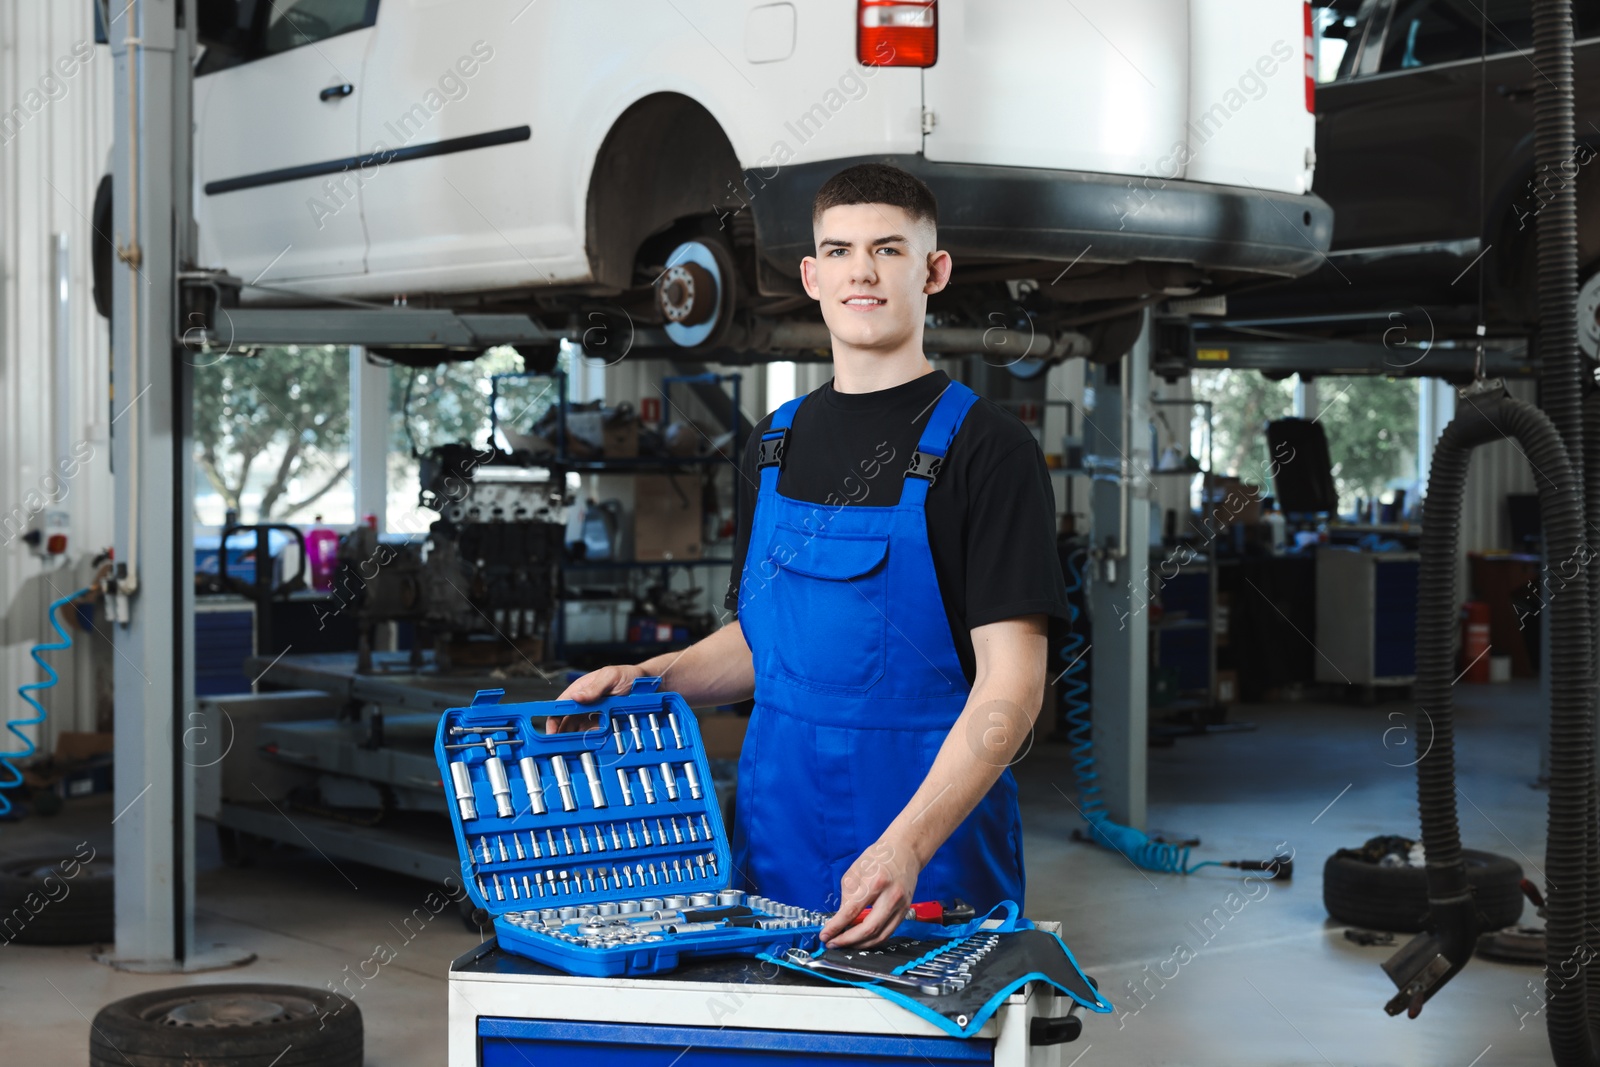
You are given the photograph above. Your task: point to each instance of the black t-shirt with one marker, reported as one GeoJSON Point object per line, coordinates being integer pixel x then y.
{"type": "Point", "coordinates": [991, 513]}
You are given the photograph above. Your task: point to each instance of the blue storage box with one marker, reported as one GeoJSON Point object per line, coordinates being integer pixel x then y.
{"type": "Point", "coordinates": [601, 852]}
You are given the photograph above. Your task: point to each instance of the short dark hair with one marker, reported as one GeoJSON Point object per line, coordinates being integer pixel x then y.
{"type": "Point", "coordinates": [877, 183]}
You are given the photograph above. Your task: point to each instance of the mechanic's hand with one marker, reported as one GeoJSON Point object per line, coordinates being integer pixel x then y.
{"type": "Point", "coordinates": [605, 682]}
{"type": "Point", "coordinates": [882, 878]}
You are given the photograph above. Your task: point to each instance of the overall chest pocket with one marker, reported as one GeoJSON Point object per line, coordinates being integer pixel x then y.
{"type": "Point", "coordinates": [830, 606]}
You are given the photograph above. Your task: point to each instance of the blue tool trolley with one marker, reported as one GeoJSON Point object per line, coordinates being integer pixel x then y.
{"type": "Point", "coordinates": [601, 852]}
{"type": "Point", "coordinates": [509, 1010]}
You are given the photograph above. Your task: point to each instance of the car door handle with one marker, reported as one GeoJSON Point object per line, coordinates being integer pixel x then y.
{"type": "Point", "coordinates": [1517, 92]}
{"type": "Point", "coordinates": [334, 91]}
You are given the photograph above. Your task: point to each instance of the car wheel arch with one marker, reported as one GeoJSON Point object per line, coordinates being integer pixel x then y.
{"type": "Point", "coordinates": [664, 159]}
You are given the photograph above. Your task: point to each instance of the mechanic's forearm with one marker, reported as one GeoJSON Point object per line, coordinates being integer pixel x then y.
{"type": "Point", "coordinates": [987, 736]}
{"type": "Point", "coordinates": [717, 669]}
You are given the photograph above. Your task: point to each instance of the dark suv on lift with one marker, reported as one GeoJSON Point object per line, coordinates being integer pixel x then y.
{"type": "Point", "coordinates": [1402, 133]}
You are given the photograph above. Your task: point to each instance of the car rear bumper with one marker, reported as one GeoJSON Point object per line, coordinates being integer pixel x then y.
{"type": "Point", "coordinates": [1031, 214]}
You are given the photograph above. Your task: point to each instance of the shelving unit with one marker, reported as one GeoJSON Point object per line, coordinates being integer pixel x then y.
{"type": "Point", "coordinates": [1186, 644]}
{"type": "Point", "coordinates": [704, 466]}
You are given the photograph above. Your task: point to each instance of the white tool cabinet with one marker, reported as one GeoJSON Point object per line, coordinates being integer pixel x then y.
{"type": "Point", "coordinates": [509, 1010]}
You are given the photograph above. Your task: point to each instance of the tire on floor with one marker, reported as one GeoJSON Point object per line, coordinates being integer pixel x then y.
{"type": "Point", "coordinates": [55, 900]}
{"type": "Point", "coordinates": [231, 1025]}
{"type": "Point", "coordinates": [1359, 890]}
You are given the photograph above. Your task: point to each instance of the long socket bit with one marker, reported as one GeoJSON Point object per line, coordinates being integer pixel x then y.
{"type": "Point", "coordinates": [648, 786]}
{"type": "Point", "coordinates": [638, 738]}
{"type": "Point", "coordinates": [569, 802]}
{"type": "Point", "coordinates": [465, 800]}
{"type": "Point", "coordinates": [670, 781]}
{"type": "Point", "coordinates": [616, 734]}
{"type": "Point", "coordinates": [672, 721]}
{"type": "Point", "coordinates": [627, 790]}
{"type": "Point", "coordinates": [694, 780]}
{"type": "Point", "coordinates": [530, 779]}
{"type": "Point", "coordinates": [591, 771]}
{"type": "Point", "coordinates": [655, 731]}
{"type": "Point", "coordinates": [499, 785]}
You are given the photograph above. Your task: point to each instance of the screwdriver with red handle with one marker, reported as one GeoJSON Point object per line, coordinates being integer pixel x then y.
{"type": "Point", "coordinates": [952, 913]}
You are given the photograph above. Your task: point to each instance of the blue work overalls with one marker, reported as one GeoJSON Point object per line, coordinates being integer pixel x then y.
{"type": "Point", "coordinates": [857, 686]}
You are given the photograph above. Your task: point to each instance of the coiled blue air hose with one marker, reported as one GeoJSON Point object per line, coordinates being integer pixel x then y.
{"type": "Point", "coordinates": [1134, 844]}
{"type": "Point", "coordinates": [11, 776]}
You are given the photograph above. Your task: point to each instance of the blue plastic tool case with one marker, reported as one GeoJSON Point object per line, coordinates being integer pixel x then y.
{"type": "Point", "coordinates": [692, 857]}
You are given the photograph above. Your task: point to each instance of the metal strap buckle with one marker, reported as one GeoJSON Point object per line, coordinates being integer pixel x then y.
{"type": "Point", "coordinates": [924, 465]}
{"type": "Point", "coordinates": [771, 451]}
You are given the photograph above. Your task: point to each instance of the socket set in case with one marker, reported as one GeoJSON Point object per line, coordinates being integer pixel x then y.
{"type": "Point", "coordinates": [601, 852]}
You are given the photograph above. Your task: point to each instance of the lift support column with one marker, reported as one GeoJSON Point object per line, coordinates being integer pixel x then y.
{"type": "Point", "coordinates": [152, 609]}
{"type": "Point", "coordinates": [1117, 447]}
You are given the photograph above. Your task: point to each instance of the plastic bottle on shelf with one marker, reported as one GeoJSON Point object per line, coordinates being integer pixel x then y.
{"type": "Point", "coordinates": [322, 546]}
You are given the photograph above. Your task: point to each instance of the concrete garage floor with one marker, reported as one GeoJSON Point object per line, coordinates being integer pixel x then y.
{"type": "Point", "coordinates": [1277, 984]}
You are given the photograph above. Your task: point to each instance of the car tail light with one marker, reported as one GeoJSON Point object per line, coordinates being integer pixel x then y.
{"type": "Point", "coordinates": [896, 34]}
{"type": "Point", "coordinates": [1311, 62]}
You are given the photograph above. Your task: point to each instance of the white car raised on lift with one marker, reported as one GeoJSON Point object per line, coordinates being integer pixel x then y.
{"type": "Point", "coordinates": [557, 156]}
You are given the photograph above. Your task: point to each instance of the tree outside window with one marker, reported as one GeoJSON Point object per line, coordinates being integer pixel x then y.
{"type": "Point", "coordinates": [1370, 423]}
{"type": "Point", "coordinates": [272, 435]}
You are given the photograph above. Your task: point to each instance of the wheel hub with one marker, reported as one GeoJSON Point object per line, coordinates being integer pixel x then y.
{"type": "Point", "coordinates": [687, 294]}
{"type": "Point", "coordinates": [235, 1009]}
{"type": "Point", "coordinates": [1589, 317]}
{"type": "Point", "coordinates": [695, 293]}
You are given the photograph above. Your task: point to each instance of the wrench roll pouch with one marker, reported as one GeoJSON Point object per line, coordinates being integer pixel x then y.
{"type": "Point", "coordinates": [601, 852]}
{"type": "Point", "coordinates": [1021, 954]}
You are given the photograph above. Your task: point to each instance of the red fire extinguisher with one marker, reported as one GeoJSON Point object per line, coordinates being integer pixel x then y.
{"type": "Point", "coordinates": [1475, 642]}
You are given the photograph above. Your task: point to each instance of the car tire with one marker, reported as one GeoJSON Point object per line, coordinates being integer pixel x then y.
{"type": "Point", "coordinates": [102, 251]}
{"type": "Point", "coordinates": [41, 904]}
{"type": "Point", "coordinates": [233, 1025]}
{"type": "Point", "coordinates": [1359, 892]}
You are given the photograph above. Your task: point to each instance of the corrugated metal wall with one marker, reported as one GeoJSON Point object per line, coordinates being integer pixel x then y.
{"type": "Point", "coordinates": [55, 133]}
{"type": "Point", "coordinates": [1496, 470]}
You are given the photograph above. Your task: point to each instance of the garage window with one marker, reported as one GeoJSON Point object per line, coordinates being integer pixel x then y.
{"type": "Point", "coordinates": [272, 436]}
{"type": "Point", "coordinates": [1370, 422]}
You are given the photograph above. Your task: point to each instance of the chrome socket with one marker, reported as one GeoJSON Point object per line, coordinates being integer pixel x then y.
{"type": "Point", "coordinates": [465, 800]}
{"type": "Point", "coordinates": [535, 787]}
{"type": "Point", "coordinates": [569, 802]}
{"type": "Point", "coordinates": [500, 786]}
{"type": "Point", "coordinates": [591, 771]}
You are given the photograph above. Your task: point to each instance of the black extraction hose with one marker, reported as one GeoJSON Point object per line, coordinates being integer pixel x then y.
{"type": "Point", "coordinates": [1454, 921]}
{"type": "Point", "coordinates": [1573, 853]}
{"type": "Point", "coordinates": [1556, 171]}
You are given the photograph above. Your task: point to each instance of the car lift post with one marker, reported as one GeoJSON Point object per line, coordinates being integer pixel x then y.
{"type": "Point", "coordinates": [1117, 443]}
{"type": "Point", "coordinates": [151, 601]}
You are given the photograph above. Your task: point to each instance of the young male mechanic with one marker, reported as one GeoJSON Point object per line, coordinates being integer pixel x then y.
{"type": "Point", "coordinates": [892, 589]}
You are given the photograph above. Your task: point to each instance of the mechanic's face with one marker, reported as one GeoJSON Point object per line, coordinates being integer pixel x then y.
{"type": "Point", "coordinates": [874, 269]}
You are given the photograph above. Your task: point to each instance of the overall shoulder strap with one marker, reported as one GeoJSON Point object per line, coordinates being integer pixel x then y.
{"type": "Point", "coordinates": [948, 413]}
{"type": "Point", "coordinates": [769, 460]}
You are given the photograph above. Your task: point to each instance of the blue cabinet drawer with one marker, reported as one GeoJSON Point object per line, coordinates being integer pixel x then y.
{"type": "Point", "coordinates": [504, 1042]}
